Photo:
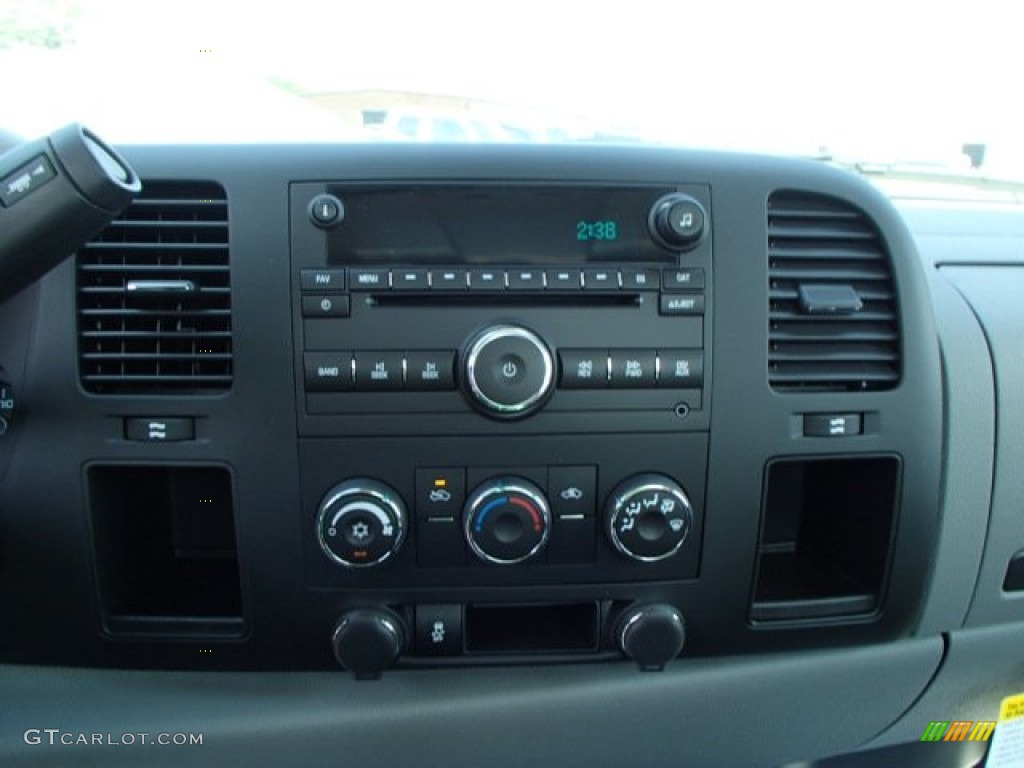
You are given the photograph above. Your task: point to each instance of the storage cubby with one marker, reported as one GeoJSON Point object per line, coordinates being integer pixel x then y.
{"type": "Point", "coordinates": [165, 549]}
{"type": "Point", "coordinates": [826, 533]}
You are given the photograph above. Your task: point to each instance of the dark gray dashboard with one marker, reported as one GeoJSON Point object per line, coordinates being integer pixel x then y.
{"type": "Point", "coordinates": [846, 454]}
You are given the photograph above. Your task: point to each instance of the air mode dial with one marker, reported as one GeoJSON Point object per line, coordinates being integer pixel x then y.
{"type": "Point", "coordinates": [648, 517]}
{"type": "Point", "coordinates": [361, 523]}
{"type": "Point", "coordinates": [507, 520]}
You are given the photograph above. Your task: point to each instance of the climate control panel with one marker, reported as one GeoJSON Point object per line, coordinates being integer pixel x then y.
{"type": "Point", "coordinates": [605, 509]}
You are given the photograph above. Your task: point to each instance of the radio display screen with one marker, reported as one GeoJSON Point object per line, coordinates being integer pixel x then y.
{"type": "Point", "coordinates": [494, 224]}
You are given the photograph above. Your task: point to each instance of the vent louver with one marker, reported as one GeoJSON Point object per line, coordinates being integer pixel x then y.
{"type": "Point", "coordinates": [833, 322]}
{"type": "Point", "coordinates": [154, 295]}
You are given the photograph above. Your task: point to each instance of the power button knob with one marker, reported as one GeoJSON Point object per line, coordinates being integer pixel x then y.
{"type": "Point", "coordinates": [509, 371]}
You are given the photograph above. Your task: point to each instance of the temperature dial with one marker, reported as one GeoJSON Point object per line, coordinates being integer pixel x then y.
{"type": "Point", "coordinates": [507, 520]}
{"type": "Point", "coordinates": [361, 523]}
{"type": "Point", "coordinates": [648, 517]}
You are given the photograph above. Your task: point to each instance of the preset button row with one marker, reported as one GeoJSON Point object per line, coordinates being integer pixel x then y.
{"type": "Point", "coordinates": [521, 279]}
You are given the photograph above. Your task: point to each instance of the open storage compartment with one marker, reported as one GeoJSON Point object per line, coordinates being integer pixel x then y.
{"type": "Point", "coordinates": [826, 535]}
{"type": "Point", "coordinates": [166, 556]}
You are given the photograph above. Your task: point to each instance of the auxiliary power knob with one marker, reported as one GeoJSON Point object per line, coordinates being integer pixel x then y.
{"type": "Point", "coordinates": [361, 523]}
{"type": "Point", "coordinates": [366, 641]}
{"type": "Point", "coordinates": [507, 520]}
{"type": "Point", "coordinates": [651, 635]}
{"type": "Point", "coordinates": [648, 517]}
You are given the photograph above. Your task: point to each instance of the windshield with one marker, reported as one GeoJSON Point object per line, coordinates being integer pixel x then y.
{"type": "Point", "coordinates": [892, 84]}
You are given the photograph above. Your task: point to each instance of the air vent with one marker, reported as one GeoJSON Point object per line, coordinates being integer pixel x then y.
{"type": "Point", "coordinates": [833, 322]}
{"type": "Point", "coordinates": [154, 295]}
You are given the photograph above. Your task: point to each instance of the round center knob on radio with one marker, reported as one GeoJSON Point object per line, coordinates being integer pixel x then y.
{"type": "Point", "coordinates": [648, 517]}
{"type": "Point", "coordinates": [677, 221]}
{"type": "Point", "coordinates": [361, 523]}
{"type": "Point", "coordinates": [507, 520]}
{"type": "Point", "coordinates": [509, 371]}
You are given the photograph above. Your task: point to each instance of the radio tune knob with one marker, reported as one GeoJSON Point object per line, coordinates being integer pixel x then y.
{"type": "Point", "coordinates": [507, 520]}
{"type": "Point", "coordinates": [648, 517]}
{"type": "Point", "coordinates": [361, 523]}
{"type": "Point", "coordinates": [677, 221]}
{"type": "Point", "coordinates": [509, 371]}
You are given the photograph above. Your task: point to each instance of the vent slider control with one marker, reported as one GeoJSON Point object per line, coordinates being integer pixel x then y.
{"type": "Point", "coordinates": [829, 300]}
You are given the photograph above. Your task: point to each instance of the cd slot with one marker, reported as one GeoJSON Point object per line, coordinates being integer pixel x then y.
{"type": "Point", "coordinates": [505, 299]}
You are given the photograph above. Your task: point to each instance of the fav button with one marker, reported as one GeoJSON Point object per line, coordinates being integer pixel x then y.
{"type": "Point", "coordinates": [323, 280]}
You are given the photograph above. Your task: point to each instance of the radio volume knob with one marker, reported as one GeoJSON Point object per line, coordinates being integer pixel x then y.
{"type": "Point", "coordinates": [507, 520]}
{"type": "Point", "coordinates": [509, 371]}
{"type": "Point", "coordinates": [648, 517]}
{"type": "Point", "coordinates": [361, 523]}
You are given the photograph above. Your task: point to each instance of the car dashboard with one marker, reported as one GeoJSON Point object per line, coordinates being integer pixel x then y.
{"type": "Point", "coordinates": [510, 454]}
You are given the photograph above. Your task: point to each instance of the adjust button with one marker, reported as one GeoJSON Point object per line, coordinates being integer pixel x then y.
{"type": "Point", "coordinates": [633, 368]}
{"type": "Point", "coordinates": [378, 371]}
{"type": "Point", "coordinates": [681, 304]}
